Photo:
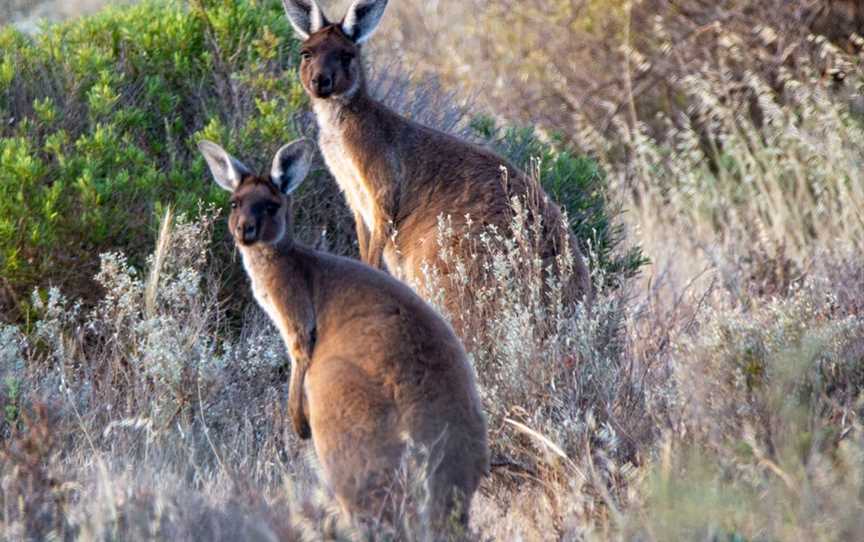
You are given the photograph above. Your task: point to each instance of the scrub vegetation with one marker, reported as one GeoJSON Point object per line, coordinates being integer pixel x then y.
{"type": "Point", "coordinates": [715, 392]}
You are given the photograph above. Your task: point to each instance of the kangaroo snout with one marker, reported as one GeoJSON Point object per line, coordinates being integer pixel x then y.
{"type": "Point", "coordinates": [322, 84]}
{"type": "Point", "coordinates": [247, 232]}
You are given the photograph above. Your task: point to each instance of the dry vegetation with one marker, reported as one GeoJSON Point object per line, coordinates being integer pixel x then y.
{"type": "Point", "coordinates": [733, 134]}
{"type": "Point", "coordinates": [718, 396]}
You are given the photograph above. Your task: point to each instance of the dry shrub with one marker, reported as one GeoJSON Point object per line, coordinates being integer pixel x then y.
{"type": "Point", "coordinates": [165, 425]}
{"type": "Point", "coordinates": [757, 365]}
{"type": "Point", "coordinates": [35, 489]}
{"type": "Point", "coordinates": [765, 436]}
{"type": "Point", "coordinates": [750, 402]}
{"type": "Point", "coordinates": [153, 401]}
{"type": "Point", "coordinates": [568, 406]}
{"type": "Point", "coordinates": [779, 183]}
{"type": "Point", "coordinates": [533, 61]}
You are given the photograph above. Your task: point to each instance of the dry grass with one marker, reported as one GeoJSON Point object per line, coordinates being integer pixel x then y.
{"type": "Point", "coordinates": [147, 418]}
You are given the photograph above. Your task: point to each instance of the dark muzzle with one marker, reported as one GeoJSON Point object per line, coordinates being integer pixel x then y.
{"type": "Point", "coordinates": [249, 233]}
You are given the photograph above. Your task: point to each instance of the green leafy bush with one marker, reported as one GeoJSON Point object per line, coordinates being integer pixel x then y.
{"type": "Point", "coordinates": [578, 184]}
{"type": "Point", "coordinates": [101, 116]}
{"type": "Point", "coordinates": [100, 120]}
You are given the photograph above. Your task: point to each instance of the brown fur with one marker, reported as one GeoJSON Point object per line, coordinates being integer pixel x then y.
{"type": "Point", "coordinates": [399, 176]}
{"type": "Point", "coordinates": [373, 365]}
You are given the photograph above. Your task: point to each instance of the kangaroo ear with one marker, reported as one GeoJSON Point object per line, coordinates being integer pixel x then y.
{"type": "Point", "coordinates": [362, 19]}
{"type": "Point", "coordinates": [291, 165]}
{"type": "Point", "coordinates": [227, 170]}
{"type": "Point", "coordinates": [306, 16]}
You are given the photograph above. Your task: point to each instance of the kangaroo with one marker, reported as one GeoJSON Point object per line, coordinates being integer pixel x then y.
{"type": "Point", "coordinates": [373, 366]}
{"type": "Point", "coordinates": [399, 176]}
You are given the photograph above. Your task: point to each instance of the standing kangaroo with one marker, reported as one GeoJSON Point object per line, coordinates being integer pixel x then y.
{"type": "Point", "coordinates": [373, 366]}
{"type": "Point", "coordinates": [399, 176]}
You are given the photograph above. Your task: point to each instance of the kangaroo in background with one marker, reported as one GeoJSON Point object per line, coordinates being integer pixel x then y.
{"type": "Point", "coordinates": [373, 366]}
{"type": "Point", "coordinates": [399, 176]}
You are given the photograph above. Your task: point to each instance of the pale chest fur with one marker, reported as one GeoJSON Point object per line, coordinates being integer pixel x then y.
{"type": "Point", "coordinates": [266, 302]}
{"type": "Point", "coordinates": [343, 165]}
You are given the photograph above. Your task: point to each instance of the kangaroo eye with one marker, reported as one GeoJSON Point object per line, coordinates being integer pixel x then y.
{"type": "Point", "coordinates": [235, 204]}
{"type": "Point", "coordinates": [346, 59]}
{"type": "Point", "coordinates": [305, 55]}
{"type": "Point", "coordinates": [272, 208]}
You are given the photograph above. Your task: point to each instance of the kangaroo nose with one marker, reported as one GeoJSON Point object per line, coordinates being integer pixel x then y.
{"type": "Point", "coordinates": [323, 84]}
{"type": "Point", "coordinates": [248, 231]}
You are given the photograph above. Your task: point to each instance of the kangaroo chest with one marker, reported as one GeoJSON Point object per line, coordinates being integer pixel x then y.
{"type": "Point", "coordinates": [344, 166]}
{"type": "Point", "coordinates": [266, 302]}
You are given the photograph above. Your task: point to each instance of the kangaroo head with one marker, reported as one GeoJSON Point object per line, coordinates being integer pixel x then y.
{"type": "Point", "coordinates": [329, 57]}
{"type": "Point", "coordinates": [260, 205]}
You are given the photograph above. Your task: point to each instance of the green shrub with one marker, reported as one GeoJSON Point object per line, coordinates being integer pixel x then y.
{"type": "Point", "coordinates": [100, 120]}
{"type": "Point", "coordinates": [578, 184]}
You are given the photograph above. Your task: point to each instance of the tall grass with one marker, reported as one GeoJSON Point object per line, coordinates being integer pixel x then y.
{"type": "Point", "coordinates": [742, 189]}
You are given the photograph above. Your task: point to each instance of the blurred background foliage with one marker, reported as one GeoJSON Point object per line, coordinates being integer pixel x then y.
{"type": "Point", "coordinates": [733, 127]}
{"type": "Point", "coordinates": [557, 63]}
